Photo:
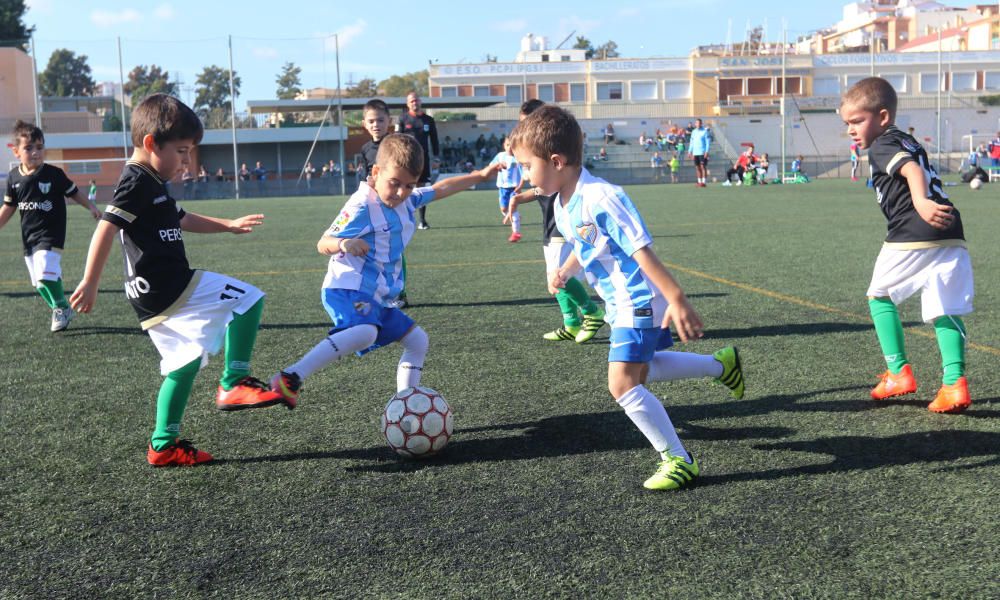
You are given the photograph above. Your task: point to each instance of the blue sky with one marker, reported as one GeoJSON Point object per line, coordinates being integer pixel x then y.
{"type": "Point", "coordinates": [183, 36]}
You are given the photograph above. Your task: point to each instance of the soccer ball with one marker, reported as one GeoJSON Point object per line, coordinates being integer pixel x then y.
{"type": "Point", "coordinates": [976, 183]}
{"type": "Point", "coordinates": [417, 422]}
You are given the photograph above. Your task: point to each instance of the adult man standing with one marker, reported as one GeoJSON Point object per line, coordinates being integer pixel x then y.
{"type": "Point", "coordinates": [698, 148]}
{"type": "Point", "coordinates": [421, 126]}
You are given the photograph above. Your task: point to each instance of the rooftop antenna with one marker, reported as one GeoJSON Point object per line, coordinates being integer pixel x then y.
{"type": "Point", "coordinates": [729, 38]}
{"type": "Point", "coordinates": [565, 40]}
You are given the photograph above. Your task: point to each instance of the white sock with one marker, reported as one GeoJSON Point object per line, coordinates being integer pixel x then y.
{"type": "Point", "coordinates": [333, 347]}
{"type": "Point", "coordinates": [515, 222]}
{"type": "Point", "coordinates": [648, 414]}
{"type": "Point", "coordinates": [411, 363]}
{"type": "Point", "coordinates": [668, 365]}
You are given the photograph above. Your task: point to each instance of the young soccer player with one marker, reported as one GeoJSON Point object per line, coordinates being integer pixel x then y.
{"type": "Point", "coordinates": [924, 250]}
{"type": "Point", "coordinates": [675, 166]}
{"type": "Point", "coordinates": [365, 245]}
{"type": "Point", "coordinates": [508, 180]}
{"type": "Point", "coordinates": [855, 160]}
{"type": "Point", "coordinates": [582, 317]}
{"type": "Point", "coordinates": [188, 314]}
{"type": "Point", "coordinates": [611, 244]}
{"type": "Point", "coordinates": [39, 191]}
{"type": "Point", "coordinates": [92, 194]}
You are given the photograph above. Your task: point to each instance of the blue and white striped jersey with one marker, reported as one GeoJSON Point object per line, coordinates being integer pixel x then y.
{"type": "Point", "coordinates": [379, 273]}
{"type": "Point", "coordinates": [606, 230]}
{"type": "Point", "coordinates": [510, 175]}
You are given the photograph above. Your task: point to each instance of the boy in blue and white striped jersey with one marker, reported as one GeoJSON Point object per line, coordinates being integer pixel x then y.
{"type": "Point", "coordinates": [365, 274]}
{"type": "Point", "coordinates": [613, 247]}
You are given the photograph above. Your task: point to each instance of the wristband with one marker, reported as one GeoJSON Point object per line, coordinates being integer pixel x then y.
{"type": "Point", "coordinates": [340, 245]}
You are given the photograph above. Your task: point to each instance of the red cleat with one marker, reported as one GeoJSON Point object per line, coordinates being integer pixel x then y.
{"type": "Point", "coordinates": [952, 398]}
{"type": "Point", "coordinates": [179, 454]}
{"type": "Point", "coordinates": [514, 237]}
{"type": "Point", "coordinates": [898, 384]}
{"type": "Point", "coordinates": [288, 385]}
{"type": "Point", "coordinates": [250, 392]}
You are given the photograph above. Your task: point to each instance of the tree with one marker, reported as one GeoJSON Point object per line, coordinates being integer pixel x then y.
{"type": "Point", "coordinates": [66, 75]}
{"type": "Point", "coordinates": [213, 90]}
{"type": "Point", "coordinates": [13, 32]}
{"type": "Point", "coordinates": [400, 85]}
{"type": "Point", "coordinates": [583, 43]}
{"type": "Point", "coordinates": [289, 82]}
{"type": "Point", "coordinates": [145, 81]}
{"type": "Point", "coordinates": [366, 88]}
{"type": "Point", "coordinates": [607, 50]}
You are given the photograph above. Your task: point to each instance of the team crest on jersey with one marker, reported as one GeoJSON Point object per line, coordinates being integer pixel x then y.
{"type": "Point", "coordinates": [362, 308]}
{"type": "Point", "coordinates": [44, 187]}
{"type": "Point", "coordinates": [588, 233]}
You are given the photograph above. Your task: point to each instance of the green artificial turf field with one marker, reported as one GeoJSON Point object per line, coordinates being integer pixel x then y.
{"type": "Point", "coordinates": [808, 488]}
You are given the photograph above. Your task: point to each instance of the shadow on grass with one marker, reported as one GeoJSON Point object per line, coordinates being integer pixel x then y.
{"type": "Point", "coordinates": [75, 331]}
{"type": "Point", "coordinates": [14, 295]}
{"type": "Point", "coordinates": [795, 329]}
{"type": "Point", "coordinates": [533, 301]}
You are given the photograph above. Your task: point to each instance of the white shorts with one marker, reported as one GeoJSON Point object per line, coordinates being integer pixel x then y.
{"type": "Point", "coordinates": [556, 251]}
{"type": "Point", "coordinates": [198, 328]}
{"type": "Point", "coordinates": [942, 275]}
{"type": "Point", "coordinates": [44, 265]}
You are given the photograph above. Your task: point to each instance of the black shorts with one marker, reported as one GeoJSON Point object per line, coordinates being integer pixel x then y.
{"type": "Point", "coordinates": [700, 160]}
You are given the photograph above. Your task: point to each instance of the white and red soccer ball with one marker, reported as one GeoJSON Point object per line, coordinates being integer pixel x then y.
{"type": "Point", "coordinates": [417, 422]}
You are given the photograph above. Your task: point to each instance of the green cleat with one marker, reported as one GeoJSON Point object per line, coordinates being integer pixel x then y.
{"type": "Point", "coordinates": [563, 334]}
{"type": "Point", "coordinates": [591, 323]}
{"type": "Point", "coordinates": [673, 474]}
{"type": "Point", "coordinates": [732, 370]}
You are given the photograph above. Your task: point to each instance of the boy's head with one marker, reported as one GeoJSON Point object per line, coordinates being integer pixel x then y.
{"type": "Point", "coordinates": [868, 109]}
{"type": "Point", "coordinates": [398, 166]}
{"type": "Point", "coordinates": [165, 130]}
{"type": "Point", "coordinates": [28, 144]}
{"type": "Point", "coordinates": [548, 144]}
{"type": "Point", "coordinates": [375, 118]}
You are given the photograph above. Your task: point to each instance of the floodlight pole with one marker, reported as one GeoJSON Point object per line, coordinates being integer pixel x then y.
{"type": "Point", "coordinates": [34, 83]}
{"type": "Point", "coordinates": [940, 83]}
{"type": "Point", "coordinates": [784, 85]}
{"type": "Point", "coordinates": [121, 81]}
{"type": "Point", "coordinates": [340, 118]}
{"type": "Point", "coordinates": [232, 122]}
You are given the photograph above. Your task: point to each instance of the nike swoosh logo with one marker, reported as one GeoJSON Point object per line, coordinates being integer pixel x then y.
{"type": "Point", "coordinates": [620, 344]}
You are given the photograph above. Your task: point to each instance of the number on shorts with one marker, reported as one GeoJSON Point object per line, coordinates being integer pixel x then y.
{"type": "Point", "coordinates": [231, 288]}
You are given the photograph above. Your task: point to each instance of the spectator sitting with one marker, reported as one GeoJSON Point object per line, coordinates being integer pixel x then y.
{"type": "Point", "coordinates": [602, 155]}
{"type": "Point", "coordinates": [609, 134]}
{"type": "Point", "coordinates": [645, 142]}
{"type": "Point", "coordinates": [744, 163]}
{"type": "Point", "coordinates": [220, 175]}
{"type": "Point", "coordinates": [765, 164]}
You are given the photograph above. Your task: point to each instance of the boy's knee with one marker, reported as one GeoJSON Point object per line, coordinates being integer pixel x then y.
{"type": "Point", "coordinates": [416, 340]}
{"type": "Point", "coordinates": [367, 334]}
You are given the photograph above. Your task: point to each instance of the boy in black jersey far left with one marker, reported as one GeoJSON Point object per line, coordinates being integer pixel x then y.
{"type": "Point", "coordinates": [188, 314]}
{"type": "Point", "coordinates": [39, 191]}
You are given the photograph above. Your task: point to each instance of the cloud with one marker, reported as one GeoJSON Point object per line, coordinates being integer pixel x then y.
{"type": "Point", "coordinates": [108, 18]}
{"type": "Point", "coordinates": [347, 34]}
{"type": "Point", "coordinates": [164, 12]}
{"type": "Point", "coordinates": [511, 26]}
{"type": "Point", "coordinates": [264, 52]}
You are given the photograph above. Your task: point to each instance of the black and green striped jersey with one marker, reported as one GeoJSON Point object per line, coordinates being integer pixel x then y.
{"type": "Point", "coordinates": [40, 197]}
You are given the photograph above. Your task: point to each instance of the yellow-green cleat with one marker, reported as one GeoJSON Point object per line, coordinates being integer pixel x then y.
{"type": "Point", "coordinates": [591, 323]}
{"type": "Point", "coordinates": [732, 370]}
{"type": "Point", "coordinates": [673, 474]}
{"type": "Point", "coordinates": [563, 334]}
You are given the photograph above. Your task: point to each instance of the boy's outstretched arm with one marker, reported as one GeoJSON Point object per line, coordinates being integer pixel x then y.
{"type": "Point", "coordinates": [79, 198]}
{"type": "Point", "coordinates": [686, 321]}
{"type": "Point", "coordinates": [85, 296]}
{"type": "Point", "coordinates": [196, 223]}
{"type": "Point", "coordinates": [6, 212]}
{"type": "Point", "coordinates": [453, 185]}
{"type": "Point", "coordinates": [936, 215]}
{"type": "Point", "coordinates": [518, 199]}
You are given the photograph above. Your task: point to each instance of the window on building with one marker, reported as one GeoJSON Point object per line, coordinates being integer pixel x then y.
{"type": "Point", "coordinates": [577, 92]}
{"type": "Point", "coordinates": [674, 90]}
{"type": "Point", "coordinates": [759, 86]}
{"type": "Point", "coordinates": [992, 80]}
{"type": "Point", "coordinates": [929, 83]}
{"type": "Point", "coordinates": [513, 94]}
{"type": "Point", "coordinates": [546, 93]}
{"type": "Point", "coordinates": [897, 81]}
{"type": "Point", "coordinates": [963, 82]}
{"type": "Point", "coordinates": [609, 91]}
{"type": "Point", "coordinates": [642, 90]}
{"type": "Point", "coordinates": [794, 85]}
{"type": "Point", "coordinates": [545, 58]}
{"type": "Point", "coordinates": [565, 58]}
{"type": "Point", "coordinates": [481, 90]}
{"type": "Point", "coordinates": [83, 168]}
{"type": "Point", "coordinates": [826, 86]}
{"type": "Point", "coordinates": [449, 91]}
{"type": "Point", "coordinates": [730, 87]}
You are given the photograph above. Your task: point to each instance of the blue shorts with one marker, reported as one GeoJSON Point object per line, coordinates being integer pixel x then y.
{"type": "Point", "coordinates": [348, 308]}
{"type": "Point", "coordinates": [638, 345]}
{"type": "Point", "coordinates": [505, 196]}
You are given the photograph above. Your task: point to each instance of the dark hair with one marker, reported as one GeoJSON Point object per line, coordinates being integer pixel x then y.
{"type": "Point", "coordinates": [29, 131]}
{"type": "Point", "coordinates": [531, 106]}
{"type": "Point", "coordinates": [403, 151]}
{"type": "Point", "coordinates": [872, 94]}
{"type": "Point", "coordinates": [547, 131]}
{"type": "Point", "coordinates": [165, 118]}
{"type": "Point", "coordinates": [376, 104]}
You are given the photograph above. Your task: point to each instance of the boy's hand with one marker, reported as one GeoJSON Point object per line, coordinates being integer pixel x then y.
{"type": "Point", "coordinates": [84, 297]}
{"type": "Point", "coordinates": [490, 170]}
{"type": "Point", "coordinates": [557, 281]}
{"type": "Point", "coordinates": [686, 321]}
{"type": "Point", "coordinates": [351, 246]}
{"type": "Point", "coordinates": [94, 212]}
{"type": "Point", "coordinates": [245, 224]}
{"type": "Point", "coordinates": [936, 215]}
{"type": "Point", "coordinates": [507, 216]}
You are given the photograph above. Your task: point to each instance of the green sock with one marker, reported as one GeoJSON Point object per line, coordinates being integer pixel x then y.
{"type": "Point", "coordinates": [46, 295]}
{"type": "Point", "coordinates": [578, 293]}
{"type": "Point", "coordinates": [889, 330]}
{"type": "Point", "coordinates": [240, 338]}
{"type": "Point", "coordinates": [571, 316]}
{"type": "Point", "coordinates": [171, 402]}
{"type": "Point", "coordinates": [951, 340]}
{"type": "Point", "coordinates": [56, 295]}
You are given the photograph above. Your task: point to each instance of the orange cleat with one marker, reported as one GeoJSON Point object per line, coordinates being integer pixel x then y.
{"type": "Point", "coordinates": [952, 398]}
{"type": "Point", "coordinates": [514, 237]}
{"type": "Point", "coordinates": [179, 454]}
{"type": "Point", "coordinates": [250, 392]}
{"type": "Point", "coordinates": [890, 385]}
